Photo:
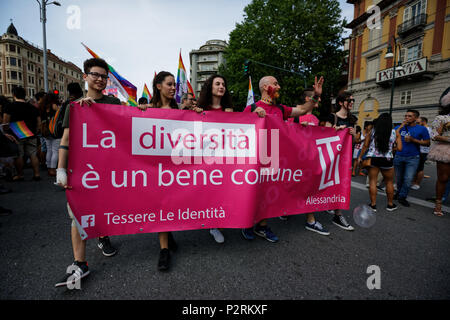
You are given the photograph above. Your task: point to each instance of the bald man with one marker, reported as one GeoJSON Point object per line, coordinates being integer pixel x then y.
{"type": "Point", "coordinates": [269, 88]}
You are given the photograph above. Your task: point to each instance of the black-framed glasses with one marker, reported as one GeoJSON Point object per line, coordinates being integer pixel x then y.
{"type": "Point", "coordinates": [96, 75]}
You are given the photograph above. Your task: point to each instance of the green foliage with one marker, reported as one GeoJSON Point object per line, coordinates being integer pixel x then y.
{"type": "Point", "coordinates": [297, 35]}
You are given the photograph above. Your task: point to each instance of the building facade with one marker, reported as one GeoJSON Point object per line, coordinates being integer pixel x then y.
{"type": "Point", "coordinates": [205, 62]}
{"type": "Point", "coordinates": [21, 64]}
{"type": "Point", "coordinates": [421, 30]}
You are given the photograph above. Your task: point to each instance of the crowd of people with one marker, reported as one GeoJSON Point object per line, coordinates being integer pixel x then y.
{"type": "Point", "coordinates": [393, 154]}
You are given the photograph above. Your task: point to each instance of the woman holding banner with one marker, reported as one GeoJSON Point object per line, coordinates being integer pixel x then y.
{"type": "Point", "coordinates": [216, 97]}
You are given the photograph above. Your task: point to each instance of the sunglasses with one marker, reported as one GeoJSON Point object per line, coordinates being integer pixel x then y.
{"type": "Point", "coordinates": [351, 100]}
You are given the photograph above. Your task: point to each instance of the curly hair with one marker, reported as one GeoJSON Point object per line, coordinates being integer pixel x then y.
{"type": "Point", "coordinates": [205, 100]}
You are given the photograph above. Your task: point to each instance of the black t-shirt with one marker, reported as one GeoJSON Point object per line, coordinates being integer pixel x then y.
{"type": "Point", "coordinates": [23, 111]}
{"type": "Point", "coordinates": [349, 122]}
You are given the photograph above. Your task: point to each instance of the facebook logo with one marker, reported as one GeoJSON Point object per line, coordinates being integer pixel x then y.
{"type": "Point", "coordinates": [88, 221]}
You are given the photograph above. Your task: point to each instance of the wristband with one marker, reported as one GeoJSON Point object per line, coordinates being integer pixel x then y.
{"type": "Point", "coordinates": [315, 98]}
{"type": "Point", "coordinates": [64, 147]}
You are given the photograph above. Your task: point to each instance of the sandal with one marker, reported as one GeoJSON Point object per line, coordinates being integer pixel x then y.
{"type": "Point", "coordinates": [438, 209]}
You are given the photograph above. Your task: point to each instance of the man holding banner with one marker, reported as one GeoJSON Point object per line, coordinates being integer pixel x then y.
{"type": "Point", "coordinates": [96, 76]}
{"type": "Point", "coordinates": [269, 88]}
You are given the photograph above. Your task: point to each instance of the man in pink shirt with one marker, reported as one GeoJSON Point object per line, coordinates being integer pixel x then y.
{"type": "Point", "coordinates": [269, 88]}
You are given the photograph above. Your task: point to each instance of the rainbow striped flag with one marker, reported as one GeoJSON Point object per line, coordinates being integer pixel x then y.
{"type": "Point", "coordinates": [20, 130]}
{"type": "Point", "coordinates": [250, 96]}
{"type": "Point", "coordinates": [146, 93]}
{"type": "Point", "coordinates": [182, 86]}
{"type": "Point", "coordinates": [126, 88]}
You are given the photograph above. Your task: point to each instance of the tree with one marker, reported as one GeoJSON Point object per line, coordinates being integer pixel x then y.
{"type": "Point", "coordinates": [302, 36]}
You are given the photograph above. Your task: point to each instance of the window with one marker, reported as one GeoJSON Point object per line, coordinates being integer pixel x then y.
{"type": "Point", "coordinates": [12, 48]}
{"type": "Point", "coordinates": [12, 61]}
{"type": "Point", "coordinates": [14, 75]}
{"type": "Point", "coordinates": [411, 52]}
{"type": "Point", "coordinates": [375, 36]}
{"type": "Point", "coordinates": [414, 10]}
{"type": "Point", "coordinates": [405, 98]}
{"type": "Point", "coordinates": [372, 67]}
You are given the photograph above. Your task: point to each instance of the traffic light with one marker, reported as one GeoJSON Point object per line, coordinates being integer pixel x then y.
{"type": "Point", "coordinates": [247, 67]}
{"type": "Point", "coordinates": [56, 92]}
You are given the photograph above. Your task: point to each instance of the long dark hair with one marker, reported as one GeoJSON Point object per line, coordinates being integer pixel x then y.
{"type": "Point", "coordinates": [156, 100]}
{"type": "Point", "coordinates": [382, 132]}
{"type": "Point", "coordinates": [47, 103]}
{"type": "Point", "coordinates": [205, 100]}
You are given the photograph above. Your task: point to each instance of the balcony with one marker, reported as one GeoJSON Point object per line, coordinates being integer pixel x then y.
{"type": "Point", "coordinates": [414, 24]}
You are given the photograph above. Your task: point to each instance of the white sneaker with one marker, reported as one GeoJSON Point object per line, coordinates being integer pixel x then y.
{"type": "Point", "coordinates": [415, 187]}
{"type": "Point", "coordinates": [218, 236]}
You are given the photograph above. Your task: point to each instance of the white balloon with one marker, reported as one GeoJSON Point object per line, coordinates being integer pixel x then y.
{"type": "Point", "coordinates": [364, 216]}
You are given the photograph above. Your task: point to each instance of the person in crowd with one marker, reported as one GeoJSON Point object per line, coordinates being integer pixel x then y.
{"type": "Point", "coordinates": [424, 150]}
{"type": "Point", "coordinates": [380, 144]}
{"type": "Point", "coordinates": [309, 119]}
{"type": "Point", "coordinates": [142, 100]}
{"type": "Point", "coordinates": [407, 160]}
{"type": "Point", "coordinates": [96, 76]}
{"type": "Point", "coordinates": [440, 150]}
{"type": "Point", "coordinates": [215, 96]}
{"type": "Point", "coordinates": [186, 101]}
{"type": "Point", "coordinates": [341, 120]}
{"type": "Point", "coordinates": [356, 149]}
{"type": "Point", "coordinates": [48, 107]}
{"type": "Point", "coordinates": [20, 110]}
{"type": "Point", "coordinates": [269, 88]}
{"type": "Point", "coordinates": [42, 147]}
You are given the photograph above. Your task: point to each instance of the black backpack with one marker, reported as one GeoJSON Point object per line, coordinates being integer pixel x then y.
{"type": "Point", "coordinates": [58, 129]}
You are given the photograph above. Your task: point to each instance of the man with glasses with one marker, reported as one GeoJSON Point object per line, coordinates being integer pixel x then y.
{"type": "Point", "coordinates": [341, 120]}
{"type": "Point", "coordinates": [96, 76]}
{"type": "Point", "coordinates": [407, 161]}
{"type": "Point", "coordinates": [186, 101]}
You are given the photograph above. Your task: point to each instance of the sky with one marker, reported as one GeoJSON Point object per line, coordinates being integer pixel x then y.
{"type": "Point", "coordinates": [136, 37]}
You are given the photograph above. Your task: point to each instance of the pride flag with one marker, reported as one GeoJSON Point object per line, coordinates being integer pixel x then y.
{"type": "Point", "coordinates": [20, 130]}
{"type": "Point", "coordinates": [182, 82]}
{"type": "Point", "coordinates": [126, 88]}
{"type": "Point", "coordinates": [250, 96]}
{"type": "Point", "coordinates": [146, 93]}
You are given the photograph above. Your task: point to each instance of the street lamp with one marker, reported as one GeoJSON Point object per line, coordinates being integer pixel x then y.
{"type": "Point", "coordinates": [390, 55]}
{"type": "Point", "coordinates": [42, 7]}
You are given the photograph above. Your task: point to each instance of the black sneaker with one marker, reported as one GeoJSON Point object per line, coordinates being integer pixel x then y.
{"type": "Point", "coordinates": [391, 208]}
{"type": "Point", "coordinates": [403, 202]}
{"type": "Point", "coordinates": [105, 245]}
{"type": "Point", "coordinates": [164, 260]}
{"type": "Point", "coordinates": [374, 208]}
{"type": "Point", "coordinates": [340, 221]}
{"type": "Point", "coordinates": [75, 272]}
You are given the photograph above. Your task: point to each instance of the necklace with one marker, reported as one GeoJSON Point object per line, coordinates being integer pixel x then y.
{"type": "Point", "coordinates": [268, 101]}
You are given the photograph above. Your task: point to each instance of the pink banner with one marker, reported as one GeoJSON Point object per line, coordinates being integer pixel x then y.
{"type": "Point", "coordinates": [137, 172]}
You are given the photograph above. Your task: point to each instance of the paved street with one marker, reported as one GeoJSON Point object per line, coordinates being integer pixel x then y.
{"type": "Point", "coordinates": [410, 246]}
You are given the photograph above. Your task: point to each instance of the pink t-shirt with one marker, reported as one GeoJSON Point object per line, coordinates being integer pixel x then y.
{"type": "Point", "coordinates": [272, 109]}
{"type": "Point", "coordinates": [310, 118]}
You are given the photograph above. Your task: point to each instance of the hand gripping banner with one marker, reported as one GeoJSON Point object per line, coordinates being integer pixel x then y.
{"type": "Point", "coordinates": [133, 171]}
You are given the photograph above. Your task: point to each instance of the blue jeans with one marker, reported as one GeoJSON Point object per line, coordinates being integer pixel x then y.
{"type": "Point", "coordinates": [405, 170]}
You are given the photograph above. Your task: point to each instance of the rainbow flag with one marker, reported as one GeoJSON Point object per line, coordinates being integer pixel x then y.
{"type": "Point", "coordinates": [190, 90]}
{"type": "Point", "coordinates": [146, 93]}
{"type": "Point", "coordinates": [182, 82]}
{"type": "Point", "coordinates": [126, 88]}
{"type": "Point", "coordinates": [250, 96]}
{"type": "Point", "coordinates": [20, 130]}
